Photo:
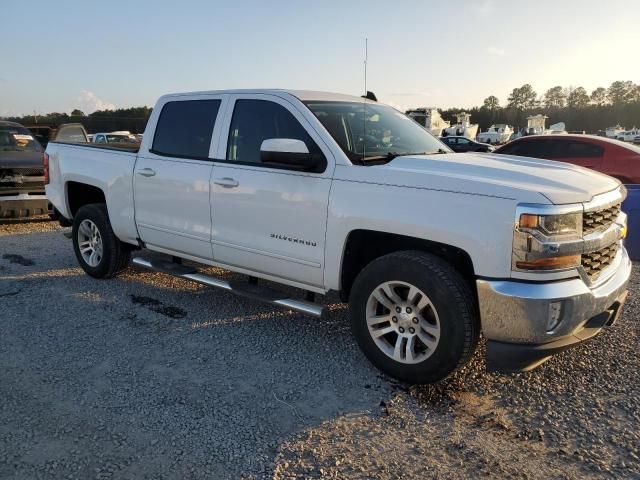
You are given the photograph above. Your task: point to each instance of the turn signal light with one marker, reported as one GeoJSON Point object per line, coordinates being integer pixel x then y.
{"type": "Point", "coordinates": [529, 221]}
{"type": "Point", "coordinates": [550, 263]}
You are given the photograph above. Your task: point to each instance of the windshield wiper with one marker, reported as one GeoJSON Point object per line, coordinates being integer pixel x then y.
{"type": "Point", "coordinates": [391, 155]}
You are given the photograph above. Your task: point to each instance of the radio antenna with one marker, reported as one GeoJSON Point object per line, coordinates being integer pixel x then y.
{"type": "Point", "coordinates": [364, 100]}
{"type": "Point", "coordinates": [366, 57]}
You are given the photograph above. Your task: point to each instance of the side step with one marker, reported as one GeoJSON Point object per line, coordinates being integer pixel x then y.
{"type": "Point", "coordinates": [249, 290]}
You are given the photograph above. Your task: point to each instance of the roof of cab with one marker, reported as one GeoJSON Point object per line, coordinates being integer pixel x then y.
{"type": "Point", "coordinates": [303, 95]}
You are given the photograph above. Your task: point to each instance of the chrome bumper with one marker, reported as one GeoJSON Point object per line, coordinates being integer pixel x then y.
{"type": "Point", "coordinates": [514, 315]}
{"type": "Point", "coordinates": [24, 201]}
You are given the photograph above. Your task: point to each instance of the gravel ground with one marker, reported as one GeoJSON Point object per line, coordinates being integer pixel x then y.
{"type": "Point", "coordinates": [147, 376]}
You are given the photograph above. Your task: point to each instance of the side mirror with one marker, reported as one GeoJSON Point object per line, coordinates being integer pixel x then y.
{"type": "Point", "coordinates": [291, 153]}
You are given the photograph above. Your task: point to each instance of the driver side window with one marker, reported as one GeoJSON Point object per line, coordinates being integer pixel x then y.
{"type": "Point", "coordinates": [254, 121]}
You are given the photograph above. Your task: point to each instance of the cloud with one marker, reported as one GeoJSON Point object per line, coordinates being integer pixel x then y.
{"type": "Point", "coordinates": [483, 8]}
{"type": "Point", "coordinates": [89, 103]}
{"type": "Point", "coordinates": [495, 51]}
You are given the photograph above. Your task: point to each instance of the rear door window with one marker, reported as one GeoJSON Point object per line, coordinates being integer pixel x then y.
{"type": "Point", "coordinates": [185, 128]}
{"type": "Point", "coordinates": [576, 149]}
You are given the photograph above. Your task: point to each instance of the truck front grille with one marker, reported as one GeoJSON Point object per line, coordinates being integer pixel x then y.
{"type": "Point", "coordinates": [599, 219]}
{"type": "Point", "coordinates": [595, 262]}
{"type": "Point", "coordinates": [27, 172]}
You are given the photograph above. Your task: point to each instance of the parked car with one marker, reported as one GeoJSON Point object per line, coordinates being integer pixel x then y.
{"type": "Point", "coordinates": [336, 193]}
{"type": "Point", "coordinates": [628, 136]}
{"type": "Point", "coordinates": [72, 132]}
{"type": "Point", "coordinates": [461, 144]}
{"type": "Point", "coordinates": [115, 137]}
{"type": "Point", "coordinates": [605, 155]}
{"type": "Point", "coordinates": [21, 172]}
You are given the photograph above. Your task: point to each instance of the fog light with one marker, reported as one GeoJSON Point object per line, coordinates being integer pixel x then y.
{"type": "Point", "coordinates": [555, 315]}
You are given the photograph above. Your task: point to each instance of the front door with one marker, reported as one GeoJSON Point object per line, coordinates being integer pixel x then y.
{"type": "Point", "coordinates": [172, 174]}
{"type": "Point", "coordinates": [269, 220]}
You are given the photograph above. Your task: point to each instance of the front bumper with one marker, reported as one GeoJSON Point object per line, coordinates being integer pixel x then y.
{"type": "Point", "coordinates": [515, 315]}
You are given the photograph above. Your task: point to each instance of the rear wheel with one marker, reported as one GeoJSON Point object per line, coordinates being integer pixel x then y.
{"type": "Point", "coordinates": [98, 250]}
{"type": "Point", "coordinates": [414, 316]}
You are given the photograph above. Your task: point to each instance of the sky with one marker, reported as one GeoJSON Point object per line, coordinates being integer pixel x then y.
{"type": "Point", "coordinates": [67, 54]}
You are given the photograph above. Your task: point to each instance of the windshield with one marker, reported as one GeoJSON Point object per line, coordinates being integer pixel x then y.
{"type": "Point", "coordinates": [17, 139]}
{"type": "Point", "coordinates": [71, 134]}
{"type": "Point", "coordinates": [367, 131]}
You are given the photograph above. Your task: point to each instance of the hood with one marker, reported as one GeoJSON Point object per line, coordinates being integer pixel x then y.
{"type": "Point", "coordinates": [22, 159]}
{"type": "Point", "coordinates": [523, 179]}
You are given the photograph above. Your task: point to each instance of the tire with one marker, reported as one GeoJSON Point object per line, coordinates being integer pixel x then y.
{"type": "Point", "coordinates": [54, 214]}
{"type": "Point", "coordinates": [112, 255]}
{"type": "Point", "coordinates": [448, 321]}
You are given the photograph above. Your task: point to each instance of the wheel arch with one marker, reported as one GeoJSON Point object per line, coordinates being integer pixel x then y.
{"type": "Point", "coordinates": [363, 246]}
{"type": "Point", "coordinates": [79, 194]}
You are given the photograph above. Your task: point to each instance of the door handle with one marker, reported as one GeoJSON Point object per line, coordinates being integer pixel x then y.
{"type": "Point", "coordinates": [146, 172]}
{"type": "Point", "coordinates": [226, 182]}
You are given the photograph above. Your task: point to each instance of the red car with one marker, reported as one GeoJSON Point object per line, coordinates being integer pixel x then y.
{"type": "Point", "coordinates": [615, 158]}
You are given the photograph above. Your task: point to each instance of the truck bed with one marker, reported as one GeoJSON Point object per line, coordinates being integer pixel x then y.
{"type": "Point", "coordinates": [107, 168]}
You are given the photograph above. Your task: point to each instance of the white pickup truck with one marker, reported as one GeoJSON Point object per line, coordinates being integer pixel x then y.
{"type": "Point", "coordinates": [328, 192]}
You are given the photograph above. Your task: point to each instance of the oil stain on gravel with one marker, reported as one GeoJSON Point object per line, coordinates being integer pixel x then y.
{"type": "Point", "coordinates": [158, 307]}
{"type": "Point", "coordinates": [19, 259]}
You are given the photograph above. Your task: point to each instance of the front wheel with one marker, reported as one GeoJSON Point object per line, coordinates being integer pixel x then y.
{"type": "Point", "coordinates": [100, 253]}
{"type": "Point", "coordinates": [414, 316]}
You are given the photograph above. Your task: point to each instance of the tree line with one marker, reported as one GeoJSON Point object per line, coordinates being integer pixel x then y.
{"type": "Point", "coordinates": [579, 109]}
{"type": "Point", "coordinates": [619, 104]}
{"type": "Point", "coordinates": [132, 119]}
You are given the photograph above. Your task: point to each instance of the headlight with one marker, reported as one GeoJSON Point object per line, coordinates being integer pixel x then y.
{"type": "Point", "coordinates": [538, 241]}
{"type": "Point", "coordinates": [552, 225]}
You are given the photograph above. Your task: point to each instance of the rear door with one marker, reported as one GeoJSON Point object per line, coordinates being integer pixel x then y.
{"type": "Point", "coordinates": [266, 219]}
{"type": "Point", "coordinates": [172, 173]}
{"type": "Point", "coordinates": [577, 152]}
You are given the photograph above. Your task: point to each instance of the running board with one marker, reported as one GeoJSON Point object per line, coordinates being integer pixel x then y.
{"type": "Point", "coordinates": [255, 292]}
